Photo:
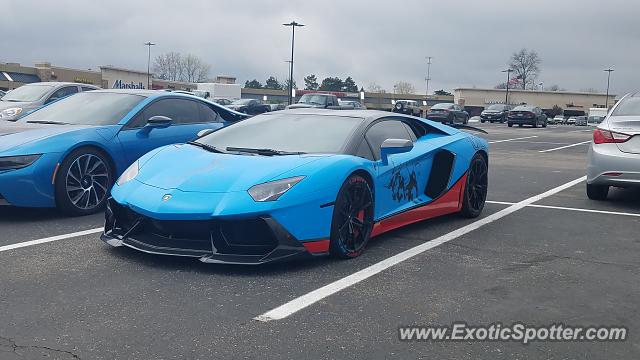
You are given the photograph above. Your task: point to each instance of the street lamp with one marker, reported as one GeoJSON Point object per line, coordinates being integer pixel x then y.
{"type": "Point", "coordinates": [609, 71]}
{"type": "Point", "coordinates": [293, 25]}
{"type": "Point", "coordinates": [149, 44]}
{"type": "Point", "coordinates": [428, 78]}
{"type": "Point", "coordinates": [506, 97]}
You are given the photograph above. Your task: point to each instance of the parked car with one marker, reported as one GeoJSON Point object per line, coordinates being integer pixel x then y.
{"type": "Point", "coordinates": [594, 120]}
{"type": "Point", "coordinates": [32, 96]}
{"type": "Point", "coordinates": [558, 119]}
{"type": "Point", "coordinates": [68, 154]}
{"type": "Point", "coordinates": [316, 100]}
{"type": "Point", "coordinates": [495, 112]}
{"type": "Point", "coordinates": [409, 107]}
{"type": "Point", "coordinates": [527, 115]}
{"type": "Point", "coordinates": [356, 105]}
{"type": "Point", "coordinates": [296, 184]}
{"type": "Point", "coordinates": [448, 113]}
{"type": "Point", "coordinates": [223, 102]}
{"type": "Point", "coordinates": [571, 120]}
{"type": "Point", "coordinates": [2, 93]}
{"type": "Point", "coordinates": [249, 106]}
{"type": "Point", "coordinates": [277, 107]}
{"type": "Point", "coordinates": [614, 153]}
{"type": "Point", "coordinates": [581, 121]}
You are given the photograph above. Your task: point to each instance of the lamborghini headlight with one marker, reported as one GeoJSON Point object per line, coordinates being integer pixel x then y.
{"type": "Point", "coordinates": [11, 112]}
{"type": "Point", "coordinates": [17, 162]}
{"type": "Point", "coordinates": [129, 174]}
{"type": "Point", "coordinates": [271, 191]}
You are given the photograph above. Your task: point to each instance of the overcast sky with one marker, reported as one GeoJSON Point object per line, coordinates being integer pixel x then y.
{"type": "Point", "coordinates": [379, 42]}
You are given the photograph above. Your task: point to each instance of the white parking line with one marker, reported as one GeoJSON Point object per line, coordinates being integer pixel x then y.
{"type": "Point", "coordinates": [314, 296]}
{"type": "Point", "coordinates": [50, 239]}
{"type": "Point", "coordinates": [566, 146]}
{"type": "Point", "coordinates": [520, 138]}
{"type": "Point", "coordinates": [569, 209]}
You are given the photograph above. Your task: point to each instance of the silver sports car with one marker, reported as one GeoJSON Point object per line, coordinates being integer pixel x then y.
{"type": "Point", "coordinates": [614, 154]}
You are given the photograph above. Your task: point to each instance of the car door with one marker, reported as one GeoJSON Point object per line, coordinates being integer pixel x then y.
{"type": "Point", "coordinates": [188, 118]}
{"type": "Point", "coordinates": [397, 184]}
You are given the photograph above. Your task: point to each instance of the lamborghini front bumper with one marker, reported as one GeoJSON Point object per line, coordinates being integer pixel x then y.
{"type": "Point", "coordinates": [255, 240]}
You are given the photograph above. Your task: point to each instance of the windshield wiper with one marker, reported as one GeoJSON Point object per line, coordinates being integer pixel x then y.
{"type": "Point", "coordinates": [47, 122]}
{"type": "Point", "coordinates": [266, 152]}
{"type": "Point", "coordinates": [206, 147]}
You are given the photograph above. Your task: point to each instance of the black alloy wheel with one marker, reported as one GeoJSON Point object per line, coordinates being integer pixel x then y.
{"type": "Point", "coordinates": [475, 192]}
{"type": "Point", "coordinates": [352, 221]}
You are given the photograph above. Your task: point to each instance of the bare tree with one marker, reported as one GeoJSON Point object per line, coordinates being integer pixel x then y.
{"type": "Point", "coordinates": [168, 66]}
{"type": "Point", "coordinates": [175, 67]}
{"type": "Point", "coordinates": [375, 88]}
{"type": "Point", "coordinates": [194, 69]}
{"type": "Point", "coordinates": [525, 66]}
{"type": "Point", "coordinates": [403, 87]}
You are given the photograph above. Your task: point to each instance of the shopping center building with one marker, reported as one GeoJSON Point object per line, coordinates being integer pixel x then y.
{"type": "Point", "coordinates": [572, 103]}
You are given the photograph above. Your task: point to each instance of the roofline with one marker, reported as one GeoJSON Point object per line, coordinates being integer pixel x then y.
{"type": "Point", "coordinates": [536, 91]}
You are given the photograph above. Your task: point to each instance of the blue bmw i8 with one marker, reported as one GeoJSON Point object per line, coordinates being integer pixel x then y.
{"type": "Point", "coordinates": [68, 154]}
{"type": "Point", "coordinates": [296, 183]}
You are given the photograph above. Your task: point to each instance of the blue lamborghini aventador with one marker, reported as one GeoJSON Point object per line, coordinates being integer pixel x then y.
{"type": "Point", "coordinates": [296, 183]}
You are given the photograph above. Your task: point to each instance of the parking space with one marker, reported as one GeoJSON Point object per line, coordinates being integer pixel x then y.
{"type": "Point", "coordinates": [78, 298]}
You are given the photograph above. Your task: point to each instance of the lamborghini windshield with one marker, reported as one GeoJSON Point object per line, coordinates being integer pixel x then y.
{"type": "Point", "coordinates": [286, 133]}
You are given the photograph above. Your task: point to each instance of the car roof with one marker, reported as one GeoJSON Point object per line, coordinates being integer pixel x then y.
{"type": "Point", "coordinates": [142, 92]}
{"type": "Point", "coordinates": [60, 83]}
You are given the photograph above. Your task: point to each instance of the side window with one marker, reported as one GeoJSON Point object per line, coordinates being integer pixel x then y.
{"type": "Point", "coordinates": [411, 132]}
{"type": "Point", "coordinates": [138, 121]}
{"type": "Point", "coordinates": [86, 88]}
{"type": "Point", "coordinates": [207, 114]}
{"type": "Point", "coordinates": [383, 130]}
{"type": "Point", "coordinates": [60, 93]}
{"type": "Point", "coordinates": [181, 111]}
{"type": "Point", "coordinates": [364, 151]}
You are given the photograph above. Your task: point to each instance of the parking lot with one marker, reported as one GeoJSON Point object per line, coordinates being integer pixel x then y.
{"type": "Point", "coordinates": [541, 253]}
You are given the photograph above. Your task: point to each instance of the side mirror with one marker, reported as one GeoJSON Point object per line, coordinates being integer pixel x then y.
{"type": "Point", "coordinates": [156, 122]}
{"type": "Point", "coordinates": [159, 122]}
{"type": "Point", "coordinates": [204, 132]}
{"type": "Point", "coordinates": [394, 146]}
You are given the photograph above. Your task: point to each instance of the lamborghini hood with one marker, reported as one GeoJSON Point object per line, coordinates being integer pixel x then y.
{"type": "Point", "coordinates": [192, 169]}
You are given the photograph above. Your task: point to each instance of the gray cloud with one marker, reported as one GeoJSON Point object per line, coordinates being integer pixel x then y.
{"type": "Point", "coordinates": [382, 42]}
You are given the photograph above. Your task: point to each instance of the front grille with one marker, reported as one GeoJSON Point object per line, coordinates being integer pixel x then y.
{"type": "Point", "coordinates": [200, 237]}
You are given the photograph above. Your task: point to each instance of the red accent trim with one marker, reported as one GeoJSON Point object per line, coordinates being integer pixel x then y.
{"type": "Point", "coordinates": [320, 246]}
{"type": "Point", "coordinates": [612, 174]}
{"type": "Point", "coordinates": [450, 202]}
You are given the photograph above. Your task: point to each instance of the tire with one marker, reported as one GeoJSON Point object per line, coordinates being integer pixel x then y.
{"type": "Point", "coordinates": [466, 120]}
{"type": "Point", "coordinates": [475, 190]}
{"type": "Point", "coordinates": [83, 182]}
{"type": "Point", "coordinates": [544, 124]}
{"type": "Point", "coordinates": [535, 123]}
{"type": "Point", "coordinates": [483, 120]}
{"type": "Point", "coordinates": [597, 192]}
{"type": "Point", "coordinates": [519, 125]}
{"type": "Point", "coordinates": [352, 220]}
{"type": "Point", "coordinates": [510, 124]}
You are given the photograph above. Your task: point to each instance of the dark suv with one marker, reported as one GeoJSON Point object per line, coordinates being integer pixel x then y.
{"type": "Point", "coordinates": [527, 115]}
{"type": "Point", "coordinates": [495, 112]}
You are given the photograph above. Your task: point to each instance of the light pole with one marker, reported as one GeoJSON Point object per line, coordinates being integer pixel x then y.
{"type": "Point", "coordinates": [506, 97]}
{"type": "Point", "coordinates": [428, 78]}
{"type": "Point", "coordinates": [149, 44]}
{"type": "Point", "coordinates": [293, 25]}
{"type": "Point", "coordinates": [541, 85]}
{"type": "Point", "coordinates": [609, 71]}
